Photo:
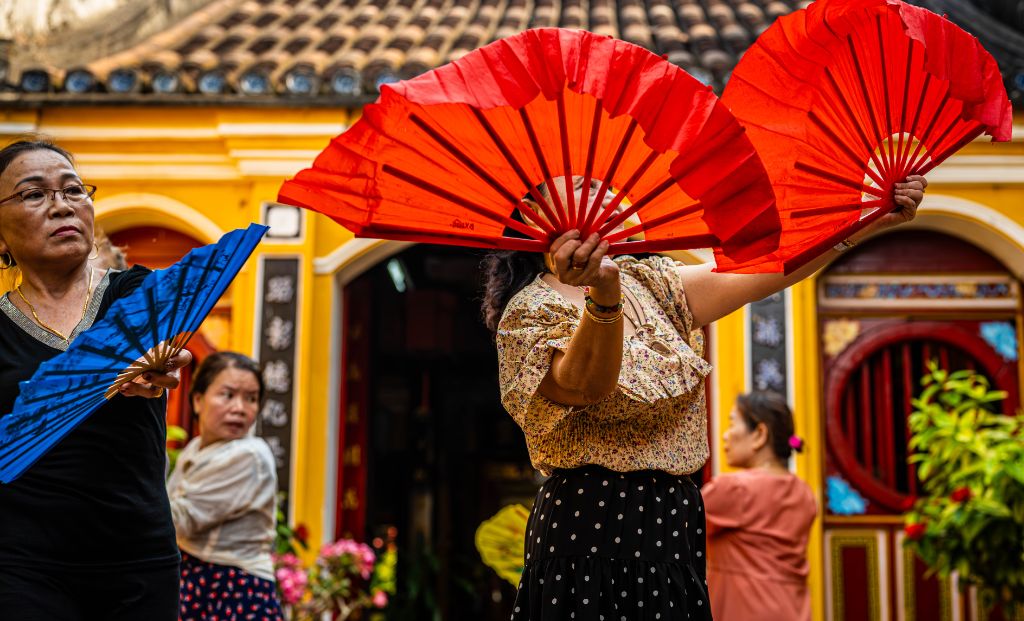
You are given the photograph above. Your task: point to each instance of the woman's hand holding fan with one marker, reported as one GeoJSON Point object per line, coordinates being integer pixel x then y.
{"type": "Point", "coordinates": [150, 378]}
{"type": "Point", "coordinates": [838, 104]}
{"type": "Point", "coordinates": [142, 334]}
{"type": "Point", "coordinates": [848, 99]}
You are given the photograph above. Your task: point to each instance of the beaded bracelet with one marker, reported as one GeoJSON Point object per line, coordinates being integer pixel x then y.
{"type": "Point", "coordinates": [596, 319]}
{"type": "Point", "coordinates": [601, 308]}
{"type": "Point", "coordinates": [843, 246]}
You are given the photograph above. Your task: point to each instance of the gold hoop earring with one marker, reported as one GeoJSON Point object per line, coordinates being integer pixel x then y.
{"type": "Point", "coordinates": [6, 261]}
{"type": "Point", "coordinates": [549, 263]}
{"type": "Point", "coordinates": [96, 246]}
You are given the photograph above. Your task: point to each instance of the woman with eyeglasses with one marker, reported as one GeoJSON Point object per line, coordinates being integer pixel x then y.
{"type": "Point", "coordinates": [86, 532]}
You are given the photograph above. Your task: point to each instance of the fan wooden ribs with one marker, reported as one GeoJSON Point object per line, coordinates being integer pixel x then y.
{"type": "Point", "coordinates": [138, 333]}
{"type": "Point", "coordinates": [450, 156]}
{"type": "Point", "coordinates": [555, 216]}
{"type": "Point", "coordinates": [846, 98]}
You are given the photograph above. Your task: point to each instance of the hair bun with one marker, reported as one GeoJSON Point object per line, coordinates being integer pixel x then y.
{"type": "Point", "coordinates": [796, 443]}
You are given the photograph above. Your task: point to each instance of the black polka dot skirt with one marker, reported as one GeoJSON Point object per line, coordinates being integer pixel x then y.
{"type": "Point", "coordinates": [609, 546]}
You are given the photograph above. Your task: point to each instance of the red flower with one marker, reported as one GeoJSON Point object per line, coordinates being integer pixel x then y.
{"type": "Point", "coordinates": [301, 533]}
{"type": "Point", "coordinates": [915, 531]}
{"type": "Point", "coordinates": [908, 503]}
{"type": "Point", "coordinates": [962, 494]}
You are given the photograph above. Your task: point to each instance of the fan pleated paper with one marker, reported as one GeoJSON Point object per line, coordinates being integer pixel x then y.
{"type": "Point", "coordinates": [500, 541]}
{"type": "Point", "coordinates": [845, 98]}
{"type": "Point", "coordinates": [446, 157]}
{"type": "Point", "coordinates": [139, 332]}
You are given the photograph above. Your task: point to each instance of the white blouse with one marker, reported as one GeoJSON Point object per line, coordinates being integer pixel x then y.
{"type": "Point", "coordinates": [223, 501]}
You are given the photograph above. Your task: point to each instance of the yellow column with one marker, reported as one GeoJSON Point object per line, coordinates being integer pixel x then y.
{"type": "Point", "coordinates": [313, 440]}
{"type": "Point", "coordinates": [807, 412]}
{"type": "Point", "coordinates": [730, 360]}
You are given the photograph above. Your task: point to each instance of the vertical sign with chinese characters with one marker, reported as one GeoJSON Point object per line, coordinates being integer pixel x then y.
{"type": "Point", "coordinates": [768, 357]}
{"type": "Point", "coordinates": [279, 288]}
{"type": "Point", "coordinates": [353, 428]}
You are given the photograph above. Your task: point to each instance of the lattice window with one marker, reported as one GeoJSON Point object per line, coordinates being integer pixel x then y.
{"type": "Point", "coordinates": [869, 392]}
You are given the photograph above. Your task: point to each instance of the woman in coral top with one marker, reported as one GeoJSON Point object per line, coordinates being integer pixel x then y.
{"type": "Point", "coordinates": [759, 518]}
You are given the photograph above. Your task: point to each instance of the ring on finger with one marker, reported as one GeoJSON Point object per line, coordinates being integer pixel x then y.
{"type": "Point", "coordinates": [579, 267]}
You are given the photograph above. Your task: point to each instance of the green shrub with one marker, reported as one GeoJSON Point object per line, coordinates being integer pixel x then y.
{"type": "Point", "coordinates": [970, 460]}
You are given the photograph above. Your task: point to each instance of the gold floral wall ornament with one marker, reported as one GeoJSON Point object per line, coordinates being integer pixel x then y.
{"type": "Point", "coordinates": [869, 291]}
{"type": "Point", "coordinates": [838, 335]}
{"type": "Point", "coordinates": [968, 290]}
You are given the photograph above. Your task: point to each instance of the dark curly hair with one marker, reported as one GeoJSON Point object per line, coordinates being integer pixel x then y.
{"type": "Point", "coordinates": [506, 273]}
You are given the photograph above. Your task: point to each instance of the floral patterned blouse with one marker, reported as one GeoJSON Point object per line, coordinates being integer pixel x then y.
{"type": "Point", "coordinates": [655, 420]}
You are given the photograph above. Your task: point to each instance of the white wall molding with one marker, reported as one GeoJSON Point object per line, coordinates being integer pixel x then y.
{"type": "Point", "coordinates": [355, 256]}
{"type": "Point", "coordinates": [122, 211]}
{"type": "Point", "coordinates": [214, 131]}
{"type": "Point", "coordinates": [983, 226]}
{"type": "Point", "coordinates": [962, 169]}
{"type": "Point", "coordinates": [12, 128]}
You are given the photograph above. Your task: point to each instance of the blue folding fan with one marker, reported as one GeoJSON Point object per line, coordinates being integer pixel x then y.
{"type": "Point", "coordinates": [138, 334]}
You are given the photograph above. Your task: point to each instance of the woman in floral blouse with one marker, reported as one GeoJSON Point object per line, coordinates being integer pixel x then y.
{"type": "Point", "coordinates": [601, 365]}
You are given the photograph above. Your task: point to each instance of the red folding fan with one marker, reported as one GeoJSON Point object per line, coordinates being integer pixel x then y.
{"type": "Point", "coordinates": [848, 97]}
{"type": "Point", "coordinates": [447, 157]}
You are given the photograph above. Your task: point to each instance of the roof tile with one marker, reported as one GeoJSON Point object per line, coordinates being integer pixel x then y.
{"type": "Point", "coordinates": [346, 48]}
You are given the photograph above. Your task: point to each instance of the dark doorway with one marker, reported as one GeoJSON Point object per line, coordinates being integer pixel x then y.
{"type": "Point", "coordinates": [442, 453]}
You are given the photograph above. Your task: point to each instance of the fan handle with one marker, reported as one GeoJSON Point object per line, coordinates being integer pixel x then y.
{"type": "Point", "coordinates": [154, 360]}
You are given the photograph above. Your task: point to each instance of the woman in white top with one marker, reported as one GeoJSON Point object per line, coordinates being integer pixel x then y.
{"type": "Point", "coordinates": [223, 492]}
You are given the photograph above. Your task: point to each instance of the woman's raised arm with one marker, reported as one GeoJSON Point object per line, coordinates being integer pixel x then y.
{"type": "Point", "coordinates": [711, 295]}
{"type": "Point", "coordinates": [588, 370]}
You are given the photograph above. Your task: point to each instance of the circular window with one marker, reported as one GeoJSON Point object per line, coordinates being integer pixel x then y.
{"type": "Point", "coordinates": [869, 393]}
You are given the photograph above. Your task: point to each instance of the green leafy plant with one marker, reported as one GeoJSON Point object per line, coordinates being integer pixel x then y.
{"type": "Point", "coordinates": [287, 538]}
{"type": "Point", "coordinates": [970, 460]}
{"type": "Point", "coordinates": [176, 438]}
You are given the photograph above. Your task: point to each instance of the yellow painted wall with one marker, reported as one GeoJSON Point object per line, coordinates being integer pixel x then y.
{"type": "Point", "coordinates": [204, 170]}
{"type": "Point", "coordinates": [807, 413]}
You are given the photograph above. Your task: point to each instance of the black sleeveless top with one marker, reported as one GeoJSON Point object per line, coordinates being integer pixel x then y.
{"type": "Point", "coordinates": [97, 499]}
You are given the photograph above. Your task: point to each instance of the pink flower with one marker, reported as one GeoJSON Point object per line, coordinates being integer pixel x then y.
{"type": "Point", "coordinates": [368, 559]}
{"type": "Point", "coordinates": [380, 599]}
{"type": "Point", "coordinates": [344, 547]}
{"type": "Point", "coordinates": [796, 443]}
{"type": "Point", "coordinates": [287, 560]}
{"type": "Point", "coordinates": [292, 583]}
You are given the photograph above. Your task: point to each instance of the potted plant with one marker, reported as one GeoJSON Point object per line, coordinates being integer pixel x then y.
{"type": "Point", "coordinates": [970, 461]}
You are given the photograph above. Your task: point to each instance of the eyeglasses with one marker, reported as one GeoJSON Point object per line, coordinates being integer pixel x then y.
{"type": "Point", "coordinates": [74, 194]}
